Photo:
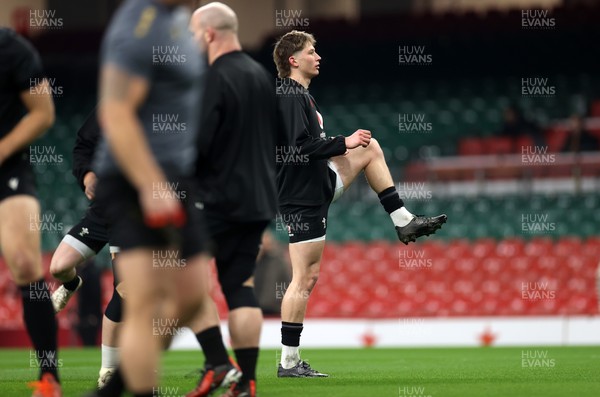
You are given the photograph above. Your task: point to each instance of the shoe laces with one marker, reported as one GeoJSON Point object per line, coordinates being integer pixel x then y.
{"type": "Point", "coordinates": [305, 365]}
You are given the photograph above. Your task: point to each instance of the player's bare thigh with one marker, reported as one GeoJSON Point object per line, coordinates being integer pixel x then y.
{"type": "Point", "coordinates": [20, 237]}
{"type": "Point", "coordinates": [191, 285]}
{"type": "Point", "coordinates": [354, 162]}
{"type": "Point", "coordinates": [145, 283]}
{"type": "Point", "coordinates": [65, 258]}
{"type": "Point", "coordinates": [306, 255]}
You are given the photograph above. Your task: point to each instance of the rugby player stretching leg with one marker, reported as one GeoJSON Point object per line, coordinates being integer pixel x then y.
{"type": "Point", "coordinates": [306, 189]}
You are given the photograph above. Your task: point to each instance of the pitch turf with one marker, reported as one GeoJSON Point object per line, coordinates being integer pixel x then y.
{"type": "Point", "coordinates": [481, 372]}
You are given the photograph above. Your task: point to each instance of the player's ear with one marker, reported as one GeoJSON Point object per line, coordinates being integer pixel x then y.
{"type": "Point", "coordinates": [209, 35]}
{"type": "Point", "coordinates": [293, 62]}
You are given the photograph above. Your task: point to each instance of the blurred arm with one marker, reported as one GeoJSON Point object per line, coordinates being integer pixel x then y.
{"type": "Point", "coordinates": [122, 94]}
{"type": "Point", "coordinates": [40, 116]}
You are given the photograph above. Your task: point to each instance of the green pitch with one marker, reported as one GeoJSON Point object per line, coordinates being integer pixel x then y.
{"type": "Point", "coordinates": [480, 372]}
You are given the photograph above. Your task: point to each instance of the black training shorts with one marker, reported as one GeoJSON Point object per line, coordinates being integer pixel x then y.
{"type": "Point", "coordinates": [17, 176]}
{"type": "Point", "coordinates": [236, 246]}
{"type": "Point", "coordinates": [91, 233]}
{"type": "Point", "coordinates": [127, 227]}
{"type": "Point", "coordinates": [306, 223]}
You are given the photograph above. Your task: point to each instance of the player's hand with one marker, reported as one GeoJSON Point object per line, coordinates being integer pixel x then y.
{"type": "Point", "coordinates": [359, 138]}
{"type": "Point", "coordinates": [89, 182]}
{"type": "Point", "coordinates": [161, 208]}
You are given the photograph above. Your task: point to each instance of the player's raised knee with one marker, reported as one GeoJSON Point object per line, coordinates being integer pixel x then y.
{"type": "Point", "coordinates": [375, 147]}
{"type": "Point", "coordinates": [59, 265]}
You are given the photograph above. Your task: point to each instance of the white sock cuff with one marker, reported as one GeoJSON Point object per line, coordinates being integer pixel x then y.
{"type": "Point", "coordinates": [110, 356]}
{"type": "Point", "coordinates": [401, 217]}
{"type": "Point", "coordinates": [290, 355]}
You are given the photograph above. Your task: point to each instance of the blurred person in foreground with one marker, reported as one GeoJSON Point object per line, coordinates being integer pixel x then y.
{"type": "Point", "coordinates": [145, 182]}
{"type": "Point", "coordinates": [26, 112]}
{"type": "Point", "coordinates": [238, 198]}
{"type": "Point", "coordinates": [313, 171]}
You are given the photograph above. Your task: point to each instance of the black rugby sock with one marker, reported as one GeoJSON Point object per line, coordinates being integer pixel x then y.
{"type": "Point", "coordinates": [72, 285]}
{"type": "Point", "coordinates": [246, 359]}
{"type": "Point", "coordinates": [212, 345]}
{"type": "Point", "coordinates": [40, 321]}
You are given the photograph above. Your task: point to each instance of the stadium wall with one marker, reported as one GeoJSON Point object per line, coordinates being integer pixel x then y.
{"type": "Point", "coordinates": [431, 332]}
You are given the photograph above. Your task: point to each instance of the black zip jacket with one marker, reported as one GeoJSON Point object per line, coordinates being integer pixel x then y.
{"type": "Point", "coordinates": [303, 177]}
{"type": "Point", "coordinates": [235, 168]}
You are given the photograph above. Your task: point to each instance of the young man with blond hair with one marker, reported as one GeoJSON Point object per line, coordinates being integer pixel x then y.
{"type": "Point", "coordinates": [319, 175]}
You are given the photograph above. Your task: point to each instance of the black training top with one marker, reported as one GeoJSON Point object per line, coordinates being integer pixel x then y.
{"type": "Point", "coordinates": [86, 142]}
{"type": "Point", "coordinates": [303, 148]}
{"type": "Point", "coordinates": [238, 129]}
{"type": "Point", "coordinates": [20, 70]}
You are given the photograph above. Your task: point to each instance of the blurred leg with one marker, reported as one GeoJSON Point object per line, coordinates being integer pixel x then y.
{"type": "Point", "coordinates": [20, 246]}
{"type": "Point", "coordinates": [20, 238]}
{"type": "Point", "coordinates": [245, 324]}
{"type": "Point", "coordinates": [147, 289]}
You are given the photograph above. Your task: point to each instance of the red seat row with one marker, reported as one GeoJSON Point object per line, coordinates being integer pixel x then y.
{"type": "Point", "coordinates": [432, 278]}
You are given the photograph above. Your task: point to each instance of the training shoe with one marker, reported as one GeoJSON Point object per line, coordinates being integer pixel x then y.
{"type": "Point", "coordinates": [61, 296]}
{"type": "Point", "coordinates": [420, 226]}
{"type": "Point", "coordinates": [46, 387]}
{"type": "Point", "coordinates": [104, 376]}
{"type": "Point", "coordinates": [238, 390]}
{"type": "Point", "coordinates": [300, 370]}
{"type": "Point", "coordinates": [214, 377]}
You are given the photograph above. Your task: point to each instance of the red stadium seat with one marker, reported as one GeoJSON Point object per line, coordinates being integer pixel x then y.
{"type": "Point", "coordinates": [483, 247]}
{"type": "Point", "coordinates": [567, 246]}
{"type": "Point", "coordinates": [416, 171]}
{"type": "Point", "coordinates": [458, 249]}
{"type": "Point", "coordinates": [510, 247]}
{"type": "Point", "coordinates": [592, 247]}
{"type": "Point", "coordinates": [556, 138]}
{"type": "Point", "coordinates": [521, 142]}
{"type": "Point", "coordinates": [538, 246]}
{"type": "Point", "coordinates": [471, 146]}
{"type": "Point", "coordinates": [493, 265]}
{"type": "Point", "coordinates": [498, 145]}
